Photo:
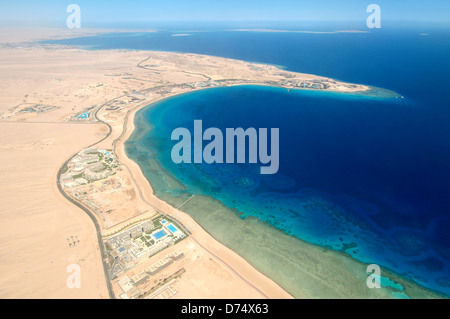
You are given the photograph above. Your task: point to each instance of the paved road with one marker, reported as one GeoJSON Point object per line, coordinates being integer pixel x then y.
{"type": "Point", "coordinates": [86, 210]}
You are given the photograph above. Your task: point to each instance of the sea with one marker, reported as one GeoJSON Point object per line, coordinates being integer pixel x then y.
{"type": "Point", "coordinates": [363, 176]}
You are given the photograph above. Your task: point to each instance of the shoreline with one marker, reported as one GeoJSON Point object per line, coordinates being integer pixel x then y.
{"type": "Point", "coordinates": [368, 91]}
{"type": "Point", "coordinates": [151, 200]}
{"type": "Point", "coordinates": [246, 272]}
{"type": "Point", "coordinates": [410, 286]}
{"type": "Point", "coordinates": [263, 284]}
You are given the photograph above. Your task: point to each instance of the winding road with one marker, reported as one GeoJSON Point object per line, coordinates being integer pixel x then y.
{"type": "Point", "coordinates": [85, 209]}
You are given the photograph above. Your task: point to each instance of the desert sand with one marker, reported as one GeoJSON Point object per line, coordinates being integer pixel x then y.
{"type": "Point", "coordinates": [36, 221]}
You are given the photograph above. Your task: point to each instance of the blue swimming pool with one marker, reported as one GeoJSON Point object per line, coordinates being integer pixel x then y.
{"type": "Point", "coordinates": [172, 228]}
{"type": "Point", "coordinates": [159, 234]}
{"type": "Point", "coordinates": [83, 116]}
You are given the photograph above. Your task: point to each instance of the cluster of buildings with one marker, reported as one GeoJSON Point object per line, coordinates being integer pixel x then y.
{"type": "Point", "coordinates": [140, 242]}
{"type": "Point", "coordinates": [37, 108]}
{"type": "Point", "coordinates": [142, 276]}
{"type": "Point", "coordinates": [202, 84]}
{"type": "Point", "coordinates": [87, 166]}
{"type": "Point", "coordinates": [132, 98]}
{"type": "Point", "coordinates": [313, 84]}
{"type": "Point", "coordinates": [128, 284]}
{"type": "Point", "coordinates": [84, 114]}
{"type": "Point", "coordinates": [26, 108]}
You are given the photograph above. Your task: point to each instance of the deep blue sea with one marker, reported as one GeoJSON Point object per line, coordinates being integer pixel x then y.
{"type": "Point", "coordinates": [370, 177]}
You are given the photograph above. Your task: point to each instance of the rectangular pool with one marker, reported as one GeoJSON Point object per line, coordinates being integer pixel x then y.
{"type": "Point", "coordinates": [172, 228]}
{"type": "Point", "coordinates": [159, 234]}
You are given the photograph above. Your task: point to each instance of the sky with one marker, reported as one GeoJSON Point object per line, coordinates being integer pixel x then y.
{"type": "Point", "coordinates": [102, 13]}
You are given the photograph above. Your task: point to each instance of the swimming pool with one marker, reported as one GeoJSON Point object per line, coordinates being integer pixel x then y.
{"type": "Point", "coordinates": [83, 116]}
{"type": "Point", "coordinates": [172, 228]}
{"type": "Point", "coordinates": [159, 234]}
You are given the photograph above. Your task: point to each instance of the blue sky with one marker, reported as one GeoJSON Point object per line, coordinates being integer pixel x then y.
{"type": "Point", "coordinates": [102, 13]}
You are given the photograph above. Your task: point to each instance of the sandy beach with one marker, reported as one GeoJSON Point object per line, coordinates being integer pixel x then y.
{"type": "Point", "coordinates": [239, 271]}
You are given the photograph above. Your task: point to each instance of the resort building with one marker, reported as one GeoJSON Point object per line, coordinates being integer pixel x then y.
{"type": "Point", "coordinates": [139, 278]}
